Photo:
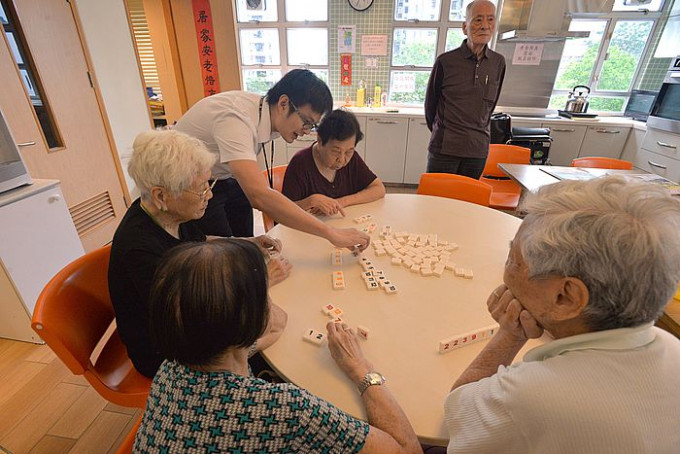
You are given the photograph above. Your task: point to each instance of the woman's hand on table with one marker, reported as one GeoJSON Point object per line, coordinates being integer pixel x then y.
{"type": "Point", "coordinates": [346, 352]}
{"type": "Point", "coordinates": [278, 269]}
{"type": "Point", "coordinates": [324, 205]}
{"type": "Point", "coordinates": [516, 321]}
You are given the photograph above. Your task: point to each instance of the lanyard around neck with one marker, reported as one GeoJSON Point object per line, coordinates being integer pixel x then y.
{"type": "Point", "coordinates": [269, 165]}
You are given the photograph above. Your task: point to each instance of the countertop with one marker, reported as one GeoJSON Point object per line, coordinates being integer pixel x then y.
{"type": "Point", "coordinates": [523, 115]}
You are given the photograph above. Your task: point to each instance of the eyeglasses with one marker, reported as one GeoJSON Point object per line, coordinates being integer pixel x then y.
{"type": "Point", "coordinates": [203, 194]}
{"type": "Point", "coordinates": [307, 125]}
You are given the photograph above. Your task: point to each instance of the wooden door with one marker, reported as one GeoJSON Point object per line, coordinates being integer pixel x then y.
{"type": "Point", "coordinates": [85, 163]}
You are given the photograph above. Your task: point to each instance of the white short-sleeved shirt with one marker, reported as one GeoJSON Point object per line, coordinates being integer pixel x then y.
{"type": "Point", "coordinates": [615, 391]}
{"type": "Point", "coordinates": [231, 124]}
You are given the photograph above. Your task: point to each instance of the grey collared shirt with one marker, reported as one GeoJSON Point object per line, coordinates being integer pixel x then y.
{"type": "Point", "coordinates": [461, 95]}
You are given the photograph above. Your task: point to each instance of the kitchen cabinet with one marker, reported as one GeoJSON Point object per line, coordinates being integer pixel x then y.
{"type": "Point", "coordinates": [386, 139]}
{"type": "Point", "coordinates": [606, 141]}
{"type": "Point", "coordinates": [658, 164]}
{"type": "Point", "coordinates": [567, 140]}
{"type": "Point", "coordinates": [633, 144]}
{"type": "Point", "coordinates": [39, 239]}
{"type": "Point", "coordinates": [657, 154]}
{"type": "Point", "coordinates": [416, 150]}
{"type": "Point", "coordinates": [663, 143]}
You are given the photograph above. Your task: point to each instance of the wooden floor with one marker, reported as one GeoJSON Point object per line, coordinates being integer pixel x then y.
{"type": "Point", "coordinates": [44, 408]}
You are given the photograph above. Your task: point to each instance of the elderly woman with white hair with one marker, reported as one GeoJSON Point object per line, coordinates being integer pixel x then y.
{"type": "Point", "coordinates": [593, 264]}
{"type": "Point", "coordinates": [173, 173]}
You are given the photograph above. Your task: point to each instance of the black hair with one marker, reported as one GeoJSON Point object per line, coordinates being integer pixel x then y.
{"type": "Point", "coordinates": [207, 297]}
{"type": "Point", "coordinates": [303, 88]}
{"type": "Point", "coordinates": [340, 124]}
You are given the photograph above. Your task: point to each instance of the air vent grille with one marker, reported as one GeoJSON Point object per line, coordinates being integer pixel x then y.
{"type": "Point", "coordinates": [92, 212]}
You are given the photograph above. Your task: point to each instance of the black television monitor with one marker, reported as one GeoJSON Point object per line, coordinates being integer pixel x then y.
{"type": "Point", "coordinates": [640, 104]}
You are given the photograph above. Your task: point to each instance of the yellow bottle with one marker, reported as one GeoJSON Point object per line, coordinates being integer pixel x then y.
{"type": "Point", "coordinates": [376, 96]}
{"type": "Point", "coordinates": [361, 94]}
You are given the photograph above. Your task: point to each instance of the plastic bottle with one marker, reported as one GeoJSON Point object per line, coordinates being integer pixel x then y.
{"type": "Point", "coordinates": [376, 96]}
{"type": "Point", "coordinates": [361, 94]}
{"type": "Point", "coordinates": [348, 100]}
{"type": "Point", "coordinates": [383, 99]}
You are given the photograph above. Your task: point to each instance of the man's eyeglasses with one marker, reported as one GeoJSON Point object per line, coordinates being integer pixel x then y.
{"type": "Point", "coordinates": [204, 193]}
{"type": "Point", "coordinates": [307, 125]}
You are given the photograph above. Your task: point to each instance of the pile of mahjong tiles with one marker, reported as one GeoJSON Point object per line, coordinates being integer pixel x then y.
{"type": "Point", "coordinates": [422, 253]}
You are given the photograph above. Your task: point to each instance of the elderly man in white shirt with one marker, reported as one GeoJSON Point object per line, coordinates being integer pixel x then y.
{"type": "Point", "coordinates": [593, 264]}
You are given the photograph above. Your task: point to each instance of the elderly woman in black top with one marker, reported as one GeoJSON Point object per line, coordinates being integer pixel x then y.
{"type": "Point", "coordinates": [173, 174]}
{"type": "Point", "coordinates": [208, 304]}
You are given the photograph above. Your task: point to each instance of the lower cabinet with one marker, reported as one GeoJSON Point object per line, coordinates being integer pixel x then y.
{"type": "Point", "coordinates": [386, 147]}
{"type": "Point", "coordinates": [566, 144]}
{"type": "Point", "coordinates": [38, 240]}
{"type": "Point", "coordinates": [605, 141]}
{"type": "Point", "coordinates": [658, 164]}
{"type": "Point", "coordinates": [416, 150]}
{"type": "Point", "coordinates": [633, 144]}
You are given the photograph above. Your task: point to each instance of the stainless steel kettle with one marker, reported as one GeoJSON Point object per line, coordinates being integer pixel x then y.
{"type": "Point", "coordinates": [578, 103]}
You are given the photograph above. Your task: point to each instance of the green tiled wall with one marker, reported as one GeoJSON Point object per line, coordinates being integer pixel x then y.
{"type": "Point", "coordinates": [377, 20]}
{"type": "Point", "coordinates": [654, 69]}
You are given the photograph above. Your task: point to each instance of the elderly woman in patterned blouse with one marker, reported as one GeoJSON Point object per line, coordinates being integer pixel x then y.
{"type": "Point", "coordinates": [209, 304]}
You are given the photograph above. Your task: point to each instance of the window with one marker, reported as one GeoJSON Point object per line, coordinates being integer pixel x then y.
{"type": "Point", "coordinates": [418, 36]}
{"type": "Point", "coordinates": [457, 10]}
{"type": "Point", "coordinates": [609, 60]}
{"type": "Point", "coordinates": [29, 75]}
{"type": "Point", "coordinates": [454, 38]}
{"type": "Point", "coordinates": [421, 10]}
{"type": "Point", "coordinates": [273, 41]}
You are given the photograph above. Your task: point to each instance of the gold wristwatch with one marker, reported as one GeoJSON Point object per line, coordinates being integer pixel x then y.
{"type": "Point", "coordinates": [370, 379]}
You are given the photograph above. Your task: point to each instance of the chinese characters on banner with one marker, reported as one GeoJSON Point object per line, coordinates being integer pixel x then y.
{"type": "Point", "coordinates": [205, 36]}
{"type": "Point", "coordinates": [527, 54]}
{"type": "Point", "coordinates": [346, 65]}
{"type": "Point", "coordinates": [403, 82]}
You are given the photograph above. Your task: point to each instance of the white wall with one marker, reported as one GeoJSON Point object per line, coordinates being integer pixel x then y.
{"type": "Point", "coordinates": [109, 41]}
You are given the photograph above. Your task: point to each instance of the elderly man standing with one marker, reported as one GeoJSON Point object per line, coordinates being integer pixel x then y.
{"type": "Point", "coordinates": [461, 95]}
{"type": "Point", "coordinates": [593, 264]}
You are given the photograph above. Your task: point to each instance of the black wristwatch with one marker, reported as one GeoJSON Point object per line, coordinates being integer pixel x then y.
{"type": "Point", "coordinates": [370, 379]}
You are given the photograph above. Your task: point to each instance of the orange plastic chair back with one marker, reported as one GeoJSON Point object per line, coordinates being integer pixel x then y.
{"type": "Point", "coordinates": [72, 315]}
{"type": "Point", "coordinates": [278, 173]}
{"type": "Point", "coordinates": [504, 154]}
{"type": "Point", "coordinates": [505, 193]}
{"type": "Point", "coordinates": [129, 443]}
{"type": "Point", "coordinates": [455, 187]}
{"type": "Point", "coordinates": [597, 162]}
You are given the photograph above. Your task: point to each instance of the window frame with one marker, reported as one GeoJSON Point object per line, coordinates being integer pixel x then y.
{"type": "Point", "coordinates": [282, 25]}
{"type": "Point", "coordinates": [611, 19]}
{"type": "Point", "coordinates": [442, 26]}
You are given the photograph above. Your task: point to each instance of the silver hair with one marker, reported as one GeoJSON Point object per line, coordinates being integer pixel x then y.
{"type": "Point", "coordinates": [168, 158]}
{"type": "Point", "coordinates": [621, 238]}
{"type": "Point", "coordinates": [468, 8]}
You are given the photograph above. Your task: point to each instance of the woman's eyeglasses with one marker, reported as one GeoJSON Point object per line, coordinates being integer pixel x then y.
{"type": "Point", "coordinates": [204, 193]}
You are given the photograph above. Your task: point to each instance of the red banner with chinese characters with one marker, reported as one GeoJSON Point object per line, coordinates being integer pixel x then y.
{"type": "Point", "coordinates": [205, 36]}
{"type": "Point", "coordinates": [346, 69]}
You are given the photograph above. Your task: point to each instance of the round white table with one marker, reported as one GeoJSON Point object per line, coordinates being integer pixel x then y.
{"type": "Point", "coordinates": [406, 327]}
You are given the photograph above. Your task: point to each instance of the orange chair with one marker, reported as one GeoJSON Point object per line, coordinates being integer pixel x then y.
{"type": "Point", "coordinates": [129, 443]}
{"type": "Point", "coordinates": [278, 173]}
{"type": "Point", "coordinates": [602, 163]}
{"type": "Point", "coordinates": [455, 187]}
{"type": "Point", "coordinates": [506, 193]}
{"type": "Point", "coordinates": [73, 315]}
